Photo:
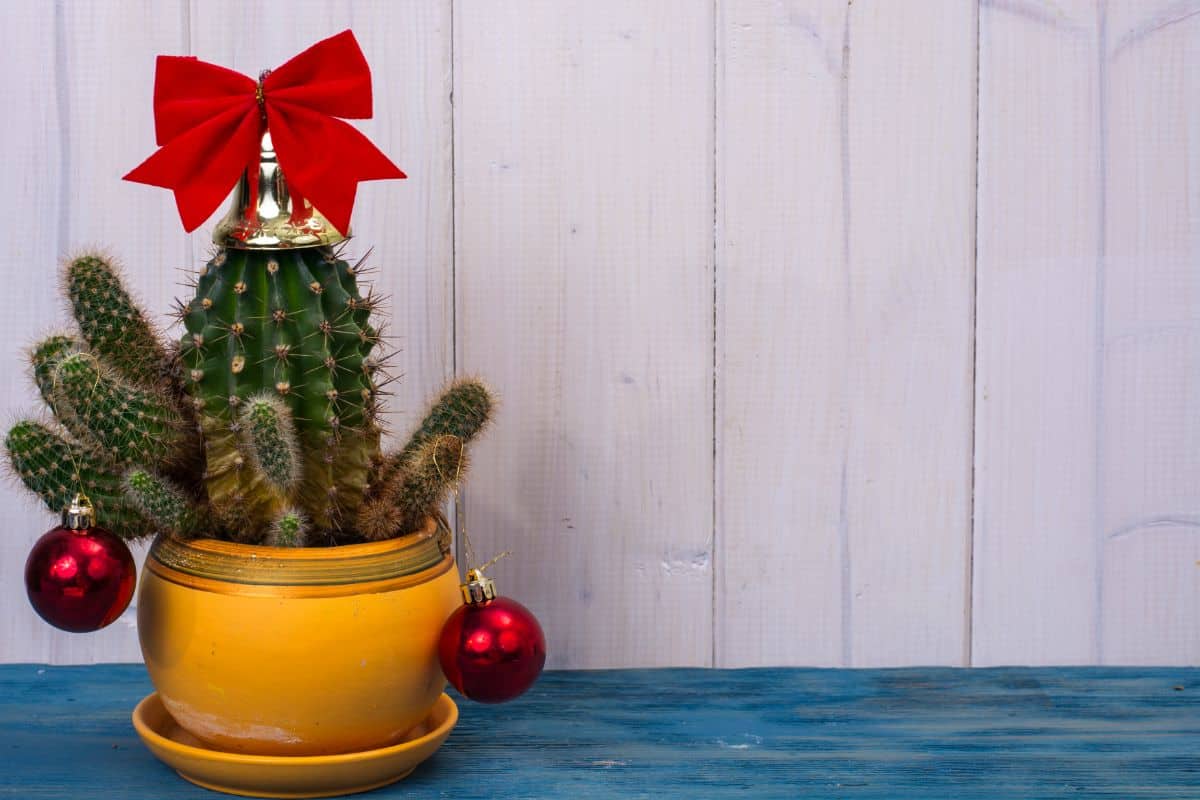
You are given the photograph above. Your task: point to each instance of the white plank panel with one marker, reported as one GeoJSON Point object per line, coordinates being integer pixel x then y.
{"type": "Point", "coordinates": [1150, 473]}
{"type": "Point", "coordinates": [911, 109]}
{"type": "Point", "coordinates": [1088, 350]}
{"type": "Point", "coordinates": [30, 200]}
{"type": "Point", "coordinates": [782, 337]}
{"type": "Point", "coordinates": [584, 199]}
{"type": "Point", "coordinates": [101, 137]}
{"type": "Point", "coordinates": [846, 168]}
{"type": "Point", "coordinates": [1039, 253]}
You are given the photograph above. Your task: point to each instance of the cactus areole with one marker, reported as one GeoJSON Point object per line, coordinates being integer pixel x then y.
{"type": "Point", "coordinates": [262, 424]}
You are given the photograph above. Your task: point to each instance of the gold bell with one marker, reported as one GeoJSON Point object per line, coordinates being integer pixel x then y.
{"type": "Point", "coordinates": [268, 220]}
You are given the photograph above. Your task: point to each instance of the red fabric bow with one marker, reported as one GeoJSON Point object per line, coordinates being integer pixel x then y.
{"type": "Point", "coordinates": [209, 122]}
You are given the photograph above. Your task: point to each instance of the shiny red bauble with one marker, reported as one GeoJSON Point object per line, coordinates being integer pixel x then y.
{"type": "Point", "coordinates": [80, 580]}
{"type": "Point", "coordinates": [492, 651]}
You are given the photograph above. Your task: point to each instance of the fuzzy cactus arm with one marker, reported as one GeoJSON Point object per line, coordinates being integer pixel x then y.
{"type": "Point", "coordinates": [462, 410]}
{"type": "Point", "coordinates": [55, 468]}
{"type": "Point", "coordinates": [45, 357]}
{"type": "Point", "coordinates": [417, 489]}
{"type": "Point", "coordinates": [161, 502]}
{"type": "Point", "coordinates": [112, 323]}
{"type": "Point", "coordinates": [270, 439]}
{"type": "Point", "coordinates": [289, 529]}
{"type": "Point", "coordinates": [130, 425]}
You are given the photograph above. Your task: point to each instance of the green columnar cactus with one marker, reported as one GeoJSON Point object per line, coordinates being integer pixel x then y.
{"type": "Point", "coordinates": [294, 325]}
{"type": "Point", "coordinates": [261, 426]}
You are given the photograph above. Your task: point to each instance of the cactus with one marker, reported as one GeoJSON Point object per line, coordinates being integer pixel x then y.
{"type": "Point", "coordinates": [54, 468]}
{"type": "Point", "coordinates": [112, 324]}
{"type": "Point", "coordinates": [289, 529]}
{"type": "Point", "coordinates": [45, 358]}
{"type": "Point", "coordinates": [260, 426]}
{"type": "Point", "coordinates": [271, 440]}
{"type": "Point", "coordinates": [423, 482]}
{"type": "Point", "coordinates": [292, 324]}
{"type": "Point", "coordinates": [462, 410]}
{"type": "Point", "coordinates": [157, 499]}
{"type": "Point", "coordinates": [131, 425]}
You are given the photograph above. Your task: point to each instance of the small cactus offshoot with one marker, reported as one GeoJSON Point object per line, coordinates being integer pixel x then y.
{"type": "Point", "coordinates": [261, 426]}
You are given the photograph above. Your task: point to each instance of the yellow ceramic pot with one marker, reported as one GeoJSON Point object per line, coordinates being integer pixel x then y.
{"type": "Point", "coordinates": [297, 651]}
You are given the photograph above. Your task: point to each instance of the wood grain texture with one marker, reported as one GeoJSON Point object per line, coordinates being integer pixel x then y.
{"type": "Point", "coordinates": [584, 203]}
{"type": "Point", "coordinates": [1149, 582]}
{"type": "Point", "coordinates": [33, 159]}
{"type": "Point", "coordinates": [1038, 249]}
{"type": "Point", "coordinates": [93, 140]}
{"type": "Point", "coordinates": [911, 734]}
{"type": "Point", "coordinates": [720, 261]}
{"type": "Point", "coordinates": [846, 181]}
{"type": "Point", "coordinates": [1086, 442]}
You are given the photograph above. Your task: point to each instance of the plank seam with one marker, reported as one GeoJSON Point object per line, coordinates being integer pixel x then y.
{"type": "Point", "coordinates": [843, 529]}
{"type": "Point", "coordinates": [969, 594]}
{"type": "Point", "coordinates": [460, 504]}
{"type": "Point", "coordinates": [716, 562]}
{"type": "Point", "coordinates": [63, 103]}
{"type": "Point", "coordinates": [1099, 324]}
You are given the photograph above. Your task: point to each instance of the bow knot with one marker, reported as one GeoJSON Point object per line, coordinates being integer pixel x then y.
{"type": "Point", "coordinates": [209, 121]}
{"type": "Point", "coordinates": [259, 96]}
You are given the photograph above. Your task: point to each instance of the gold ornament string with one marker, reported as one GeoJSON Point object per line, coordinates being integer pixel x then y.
{"type": "Point", "coordinates": [460, 510]}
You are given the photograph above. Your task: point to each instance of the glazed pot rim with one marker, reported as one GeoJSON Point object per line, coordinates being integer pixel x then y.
{"type": "Point", "coordinates": [432, 528]}
{"type": "Point", "coordinates": [232, 568]}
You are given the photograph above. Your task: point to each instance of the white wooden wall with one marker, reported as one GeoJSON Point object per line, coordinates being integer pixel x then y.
{"type": "Point", "coordinates": [827, 333]}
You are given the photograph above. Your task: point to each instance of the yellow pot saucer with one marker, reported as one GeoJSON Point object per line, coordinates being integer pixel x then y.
{"type": "Point", "coordinates": [288, 776]}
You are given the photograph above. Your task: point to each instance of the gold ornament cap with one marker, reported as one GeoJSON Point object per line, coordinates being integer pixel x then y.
{"type": "Point", "coordinates": [272, 219]}
{"type": "Point", "coordinates": [478, 588]}
{"type": "Point", "coordinates": [79, 515]}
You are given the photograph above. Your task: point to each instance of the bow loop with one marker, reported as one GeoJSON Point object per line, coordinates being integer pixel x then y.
{"type": "Point", "coordinates": [208, 123]}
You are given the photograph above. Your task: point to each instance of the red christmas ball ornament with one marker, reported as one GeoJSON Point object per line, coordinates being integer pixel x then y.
{"type": "Point", "coordinates": [79, 577]}
{"type": "Point", "coordinates": [492, 649]}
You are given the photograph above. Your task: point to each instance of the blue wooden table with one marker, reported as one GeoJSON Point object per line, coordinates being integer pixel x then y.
{"type": "Point", "coordinates": [895, 734]}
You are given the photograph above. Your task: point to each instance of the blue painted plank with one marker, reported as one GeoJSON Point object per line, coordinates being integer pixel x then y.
{"type": "Point", "coordinates": [897, 734]}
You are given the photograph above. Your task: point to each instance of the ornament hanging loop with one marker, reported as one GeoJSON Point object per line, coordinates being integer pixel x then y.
{"type": "Point", "coordinates": [478, 588]}
{"type": "Point", "coordinates": [80, 514]}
